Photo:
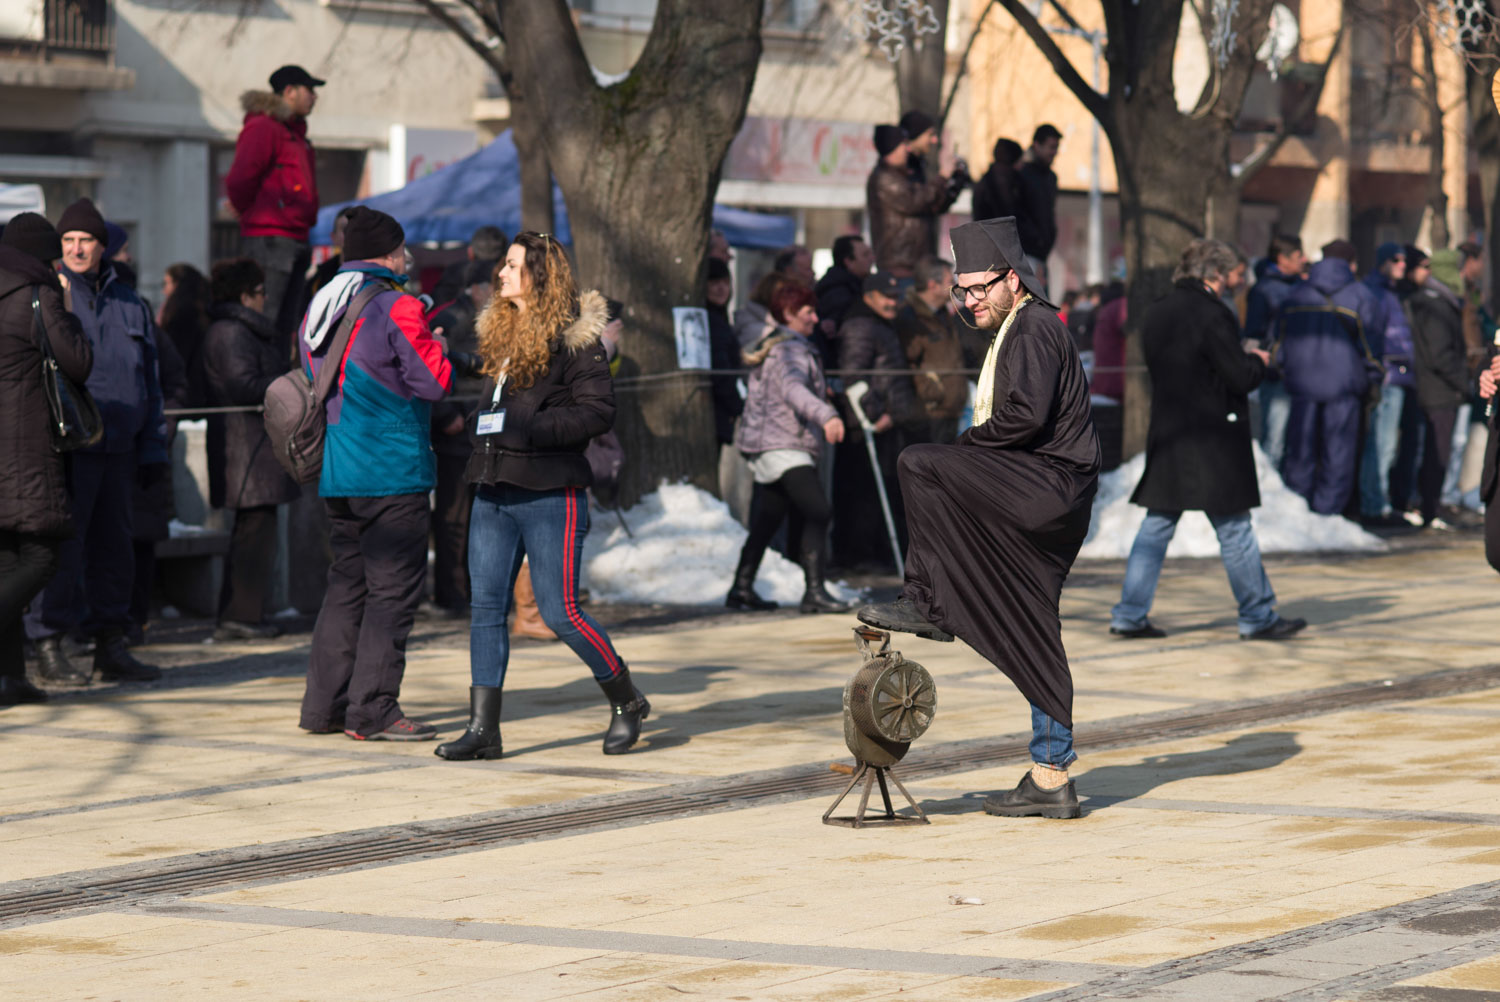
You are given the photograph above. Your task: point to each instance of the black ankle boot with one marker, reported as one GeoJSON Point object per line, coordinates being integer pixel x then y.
{"type": "Point", "coordinates": [815, 599]}
{"type": "Point", "coordinates": [627, 708]}
{"type": "Point", "coordinates": [114, 662]}
{"type": "Point", "coordinates": [53, 666]}
{"type": "Point", "coordinates": [482, 739]}
{"type": "Point", "coordinates": [742, 593]}
{"type": "Point", "coordinates": [15, 690]}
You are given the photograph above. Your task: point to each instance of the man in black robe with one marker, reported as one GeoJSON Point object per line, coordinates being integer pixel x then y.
{"type": "Point", "coordinates": [997, 519]}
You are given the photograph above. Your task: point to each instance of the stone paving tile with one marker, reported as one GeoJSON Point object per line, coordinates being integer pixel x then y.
{"type": "Point", "coordinates": [1479, 975]}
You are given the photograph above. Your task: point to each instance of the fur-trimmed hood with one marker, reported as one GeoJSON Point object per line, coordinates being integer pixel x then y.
{"type": "Point", "coordinates": [265, 102]}
{"type": "Point", "coordinates": [583, 332]}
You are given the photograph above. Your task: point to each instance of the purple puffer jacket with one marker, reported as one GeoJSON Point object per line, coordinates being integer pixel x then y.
{"type": "Point", "coordinates": [787, 405]}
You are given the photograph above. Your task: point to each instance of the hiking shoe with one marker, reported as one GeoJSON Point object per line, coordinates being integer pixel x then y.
{"type": "Point", "coordinates": [902, 616]}
{"type": "Point", "coordinates": [1029, 800]}
{"type": "Point", "coordinates": [404, 729]}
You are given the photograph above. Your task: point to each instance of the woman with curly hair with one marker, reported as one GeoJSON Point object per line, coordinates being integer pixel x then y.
{"type": "Point", "coordinates": [787, 419]}
{"type": "Point", "coordinates": [547, 392]}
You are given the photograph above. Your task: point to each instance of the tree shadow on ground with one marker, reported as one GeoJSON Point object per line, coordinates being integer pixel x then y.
{"type": "Point", "coordinates": [1112, 784]}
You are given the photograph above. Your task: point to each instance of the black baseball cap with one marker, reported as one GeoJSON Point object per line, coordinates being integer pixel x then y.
{"type": "Point", "coordinates": [293, 76]}
{"type": "Point", "coordinates": [882, 282]}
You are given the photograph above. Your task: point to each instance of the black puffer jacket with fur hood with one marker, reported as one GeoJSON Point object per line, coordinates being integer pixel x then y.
{"type": "Point", "coordinates": [550, 423]}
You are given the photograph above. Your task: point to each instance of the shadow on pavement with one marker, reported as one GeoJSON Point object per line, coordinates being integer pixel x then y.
{"type": "Point", "coordinates": [1108, 785]}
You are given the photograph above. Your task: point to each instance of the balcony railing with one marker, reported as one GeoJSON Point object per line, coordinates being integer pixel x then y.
{"type": "Point", "coordinates": [81, 26]}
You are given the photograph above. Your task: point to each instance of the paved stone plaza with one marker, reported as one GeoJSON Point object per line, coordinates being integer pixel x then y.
{"type": "Point", "coordinates": [1316, 820]}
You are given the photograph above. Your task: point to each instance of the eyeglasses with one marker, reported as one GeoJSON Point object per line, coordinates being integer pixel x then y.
{"type": "Point", "coordinates": [980, 292]}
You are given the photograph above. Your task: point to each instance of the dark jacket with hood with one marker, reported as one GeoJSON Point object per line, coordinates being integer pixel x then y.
{"type": "Point", "coordinates": [724, 356]}
{"type": "Point", "coordinates": [1438, 341]}
{"type": "Point", "coordinates": [868, 342]}
{"type": "Point", "coordinates": [549, 424]}
{"type": "Point", "coordinates": [998, 193]}
{"type": "Point", "coordinates": [33, 478]}
{"type": "Point", "coordinates": [1322, 334]}
{"type": "Point", "coordinates": [273, 184]}
{"type": "Point", "coordinates": [1037, 223]}
{"type": "Point", "coordinates": [1264, 298]}
{"type": "Point", "coordinates": [837, 291]}
{"type": "Point", "coordinates": [241, 358]}
{"type": "Point", "coordinates": [125, 381]}
{"type": "Point", "coordinates": [1198, 452]}
{"type": "Point", "coordinates": [457, 323]}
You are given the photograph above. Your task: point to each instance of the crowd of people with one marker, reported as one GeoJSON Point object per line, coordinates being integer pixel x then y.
{"type": "Point", "coordinates": [838, 402]}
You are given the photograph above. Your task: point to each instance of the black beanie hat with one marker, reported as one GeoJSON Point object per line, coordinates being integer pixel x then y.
{"type": "Point", "coordinates": [888, 137]}
{"type": "Point", "coordinates": [914, 123]}
{"type": "Point", "coordinates": [82, 217]}
{"type": "Point", "coordinates": [32, 234]}
{"type": "Point", "coordinates": [717, 269]}
{"type": "Point", "coordinates": [370, 233]}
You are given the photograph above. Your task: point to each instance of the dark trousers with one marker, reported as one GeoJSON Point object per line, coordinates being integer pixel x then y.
{"type": "Point", "coordinates": [145, 578]}
{"type": "Point", "coordinates": [450, 533]}
{"type": "Point", "coordinates": [96, 568]}
{"type": "Point", "coordinates": [1492, 531]}
{"type": "Point", "coordinates": [379, 548]}
{"type": "Point", "coordinates": [26, 563]}
{"type": "Point", "coordinates": [285, 262]}
{"type": "Point", "coordinates": [798, 495]}
{"type": "Point", "coordinates": [252, 558]}
{"type": "Point", "coordinates": [1437, 447]}
{"type": "Point", "coordinates": [1321, 461]}
{"type": "Point", "coordinates": [1404, 469]}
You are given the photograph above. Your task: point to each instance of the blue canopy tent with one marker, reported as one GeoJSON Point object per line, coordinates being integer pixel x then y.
{"type": "Point", "coordinates": [484, 188]}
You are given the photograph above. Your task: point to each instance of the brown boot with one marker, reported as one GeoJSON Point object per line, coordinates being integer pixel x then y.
{"type": "Point", "coordinates": [528, 622]}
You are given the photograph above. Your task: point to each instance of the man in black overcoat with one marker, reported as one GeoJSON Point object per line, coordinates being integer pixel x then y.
{"type": "Point", "coordinates": [997, 519]}
{"type": "Point", "coordinates": [1198, 452]}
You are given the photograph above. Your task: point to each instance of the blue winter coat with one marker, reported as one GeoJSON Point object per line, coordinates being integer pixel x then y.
{"type": "Point", "coordinates": [1395, 334]}
{"type": "Point", "coordinates": [1321, 334]}
{"type": "Point", "coordinates": [1264, 298]}
{"type": "Point", "coordinates": [125, 381]}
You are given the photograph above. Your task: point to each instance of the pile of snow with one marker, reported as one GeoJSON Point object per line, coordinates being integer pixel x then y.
{"type": "Point", "coordinates": [1283, 522]}
{"type": "Point", "coordinates": [682, 549]}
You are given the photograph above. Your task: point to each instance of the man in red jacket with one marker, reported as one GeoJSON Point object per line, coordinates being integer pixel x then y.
{"type": "Point", "coordinates": [273, 187]}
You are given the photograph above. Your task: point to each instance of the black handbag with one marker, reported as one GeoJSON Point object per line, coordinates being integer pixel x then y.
{"type": "Point", "coordinates": [75, 422]}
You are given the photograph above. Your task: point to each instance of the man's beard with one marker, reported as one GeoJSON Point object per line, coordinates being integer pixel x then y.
{"type": "Point", "coordinates": [1000, 307]}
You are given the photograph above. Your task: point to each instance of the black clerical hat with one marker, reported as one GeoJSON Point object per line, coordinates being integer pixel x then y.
{"type": "Point", "coordinates": [992, 244]}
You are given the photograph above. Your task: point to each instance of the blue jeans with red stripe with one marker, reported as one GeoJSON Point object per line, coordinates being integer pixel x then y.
{"type": "Point", "coordinates": [506, 525]}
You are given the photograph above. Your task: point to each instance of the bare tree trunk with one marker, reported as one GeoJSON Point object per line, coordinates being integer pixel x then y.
{"type": "Point", "coordinates": [919, 71]}
{"type": "Point", "coordinates": [1485, 141]}
{"type": "Point", "coordinates": [638, 164]}
{"type": "Point", "coordinates": [1437, 198]}
{"type": "Point", "coordinates": [536, 174]}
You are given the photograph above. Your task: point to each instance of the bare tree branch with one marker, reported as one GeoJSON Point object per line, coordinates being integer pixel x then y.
{"type": "Point", "coordinates": [1309, 103]}
{"type": "Point", "coordinates": [1096, 103]}
{"type": "Point", "coordinates": [963, 62]}
{"type": "Point", "coordinates": [490, 56]}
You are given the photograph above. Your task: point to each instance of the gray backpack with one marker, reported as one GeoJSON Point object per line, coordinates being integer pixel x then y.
{"type": "Point", "coordinates": [295, 417]}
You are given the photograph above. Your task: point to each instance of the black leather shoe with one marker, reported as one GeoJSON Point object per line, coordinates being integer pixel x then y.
{"type": "Point", "coordinates": [114, 662]}
{"type": "Point", "coordinates": [1281, 629]}
{"type": "Point", "coordinates": [628, 708]}
{"type": "Point", "coordinates": [903, 617]}
{"type": "Point", "coordinates": [53, 666]}
{"type": "Point", "coordinates": [229, 629]}
{"type": "Point", "coordinates": [1144, 632]}
{"type": "Point", "coordinates": [1028, 800]}
{"type": "Point", "coordinates": [15, 690]}
{"type": "Point", "coordinates": [482, 739]}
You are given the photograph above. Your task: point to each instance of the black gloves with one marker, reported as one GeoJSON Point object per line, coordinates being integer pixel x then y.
{"type": "Point", "coordinates": [466, 363]}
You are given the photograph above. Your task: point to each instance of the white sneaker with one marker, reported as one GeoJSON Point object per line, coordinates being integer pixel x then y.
{"type": "Point", "coordinates": [1439, 525]}
{"type": "Point", "coordinates": [1413, 518]}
